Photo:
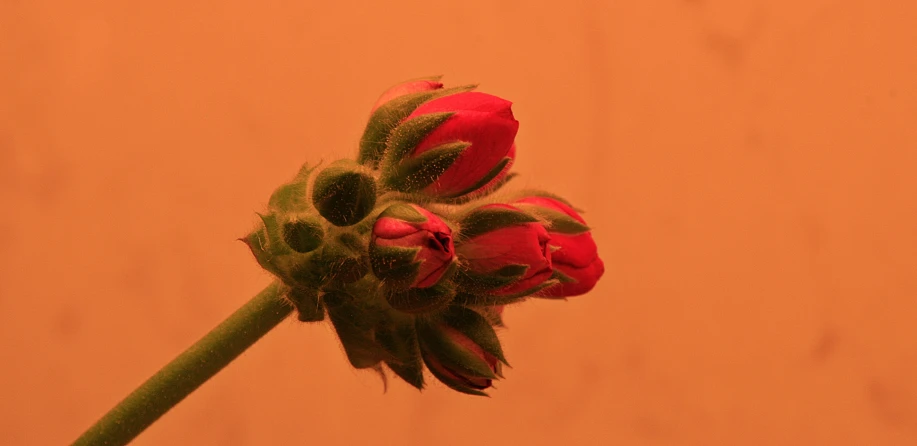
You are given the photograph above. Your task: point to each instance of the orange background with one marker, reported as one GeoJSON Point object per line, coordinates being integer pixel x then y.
{"type": "Point", "coordinates": [748, 168]}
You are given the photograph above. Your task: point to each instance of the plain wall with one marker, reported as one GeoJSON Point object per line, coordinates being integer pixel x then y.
{"type": "Point", "coordinates": [747, 167]}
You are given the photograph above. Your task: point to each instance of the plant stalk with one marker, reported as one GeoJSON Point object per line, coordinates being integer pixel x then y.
{"type": "Point", "coordinates": [171, 384]}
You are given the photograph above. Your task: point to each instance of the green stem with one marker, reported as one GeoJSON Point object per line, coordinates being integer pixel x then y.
{"type": "Point", "coordinates": [190, 369]}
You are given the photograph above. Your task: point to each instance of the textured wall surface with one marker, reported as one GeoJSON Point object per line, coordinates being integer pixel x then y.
{"type": "Point", "coordinates": [748, 168]}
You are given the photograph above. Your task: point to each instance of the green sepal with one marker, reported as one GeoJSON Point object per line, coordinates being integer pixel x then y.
{"type": "Point", "coordinates": [484, 220]}
{"type": "Point", "coordinates": [274, 232]}
{"type": "Point", "coordinates": [355, 329]}
{"type": "Point", "coordinates": [409, 134]}
{"type": "Point", "coordinates": [257, 242]}
{"type": "Point", "coordinates": [303, 234]}
{"type": "Point", "coordinates": [562, 278]}
{"type": "Point", "coordinates": [491, 314]}
{"type": "Point", "coordinates": [486, 179]}
{"type": "Point", "coordinates": [477, 328]}
{"type": "Point", "coordinates": [415, 173]}
{"type": "Point", "coordinates": [308, 271]}
{"type": "Point", "coordinates": [342, 265]}
{"type": "Point", "coordinates": [344, 193]}
{"type": "Point", "coordinates": [400, 341]}
{"type": "Point", "coordinates": [434, 340]}
{"type": "Point", "coordinates": [462, 199]}
{"type": "Point", "coordinates": [479, 282]}
{"type": "Point", "coordinates": [403, 212]}
{"type": "Point", "coordinates": [531, 291]}
{"type": "Point", "coordinates": [482, 300]}
{"type": "Point", "coordinates": [308, 304]}
{"type": "Point", "coordinates": [291, 197]}
{"type": "Point", "coordinates": [555, 221]}
{"type": "Point", "coordinates": [450, 382]}
{"type": "Point", "coordinates": [351, 241]}
{"type": "Point", "coordinates": [332, 263]}
{"type": "Point", "coordinates": [422, 300]}
{"type": "Point", "coordinates": [528, 193]}
{"type": "Point", "coordinates": [395, 265]}
{"type": "Point", "coordinates": [478, 298]}
{"type": "Point", "coordinates": [384, 120]}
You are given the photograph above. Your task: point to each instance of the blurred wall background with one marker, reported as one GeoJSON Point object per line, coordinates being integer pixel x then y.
{"type": "Point", "coordinates": [748, 168]}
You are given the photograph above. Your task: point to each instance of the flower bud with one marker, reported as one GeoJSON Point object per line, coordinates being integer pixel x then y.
{"type": "Point", "coordinates": [410, 247]}
{"type": "Point", "coordinates": [503, 251]}
{"type": "Point", "coordinates": [404, 88]}
{"type": "Point", "coordinates": [451, 146]}
{"type": "Point", "coordinates": [391, 109]}
{"type": "Point", "coordinates": [461, 350]}
{"type": "Point", "coordinates": [577, 260]}
{"type": "Point", "coordinates": [344, 193]}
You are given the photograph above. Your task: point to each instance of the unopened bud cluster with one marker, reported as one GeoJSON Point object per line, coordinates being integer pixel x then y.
{"type": "Point", "coordinates": [407, 249]}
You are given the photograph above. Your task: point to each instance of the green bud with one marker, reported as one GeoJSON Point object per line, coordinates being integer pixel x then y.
{"type": "Point", "coordinates": [344, 193]}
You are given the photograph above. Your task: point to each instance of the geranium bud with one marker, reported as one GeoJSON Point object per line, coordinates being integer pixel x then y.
{"type": "Point", "coordinates": [503, 251]}
{"type": "Point", "coordinates": [451, 146]}
{"type": "Point", "coordinates": [577, 260]}
{"type": "Point", "coordinates": [391, 109]}
{"type": "Point", "coordinates": [404, 88]}
{"type": "Point", "coordinates": [344, 193]}
{"type": "Point", "coordinates": [461, 350]}
{"type": "Point", "coordinates": [410, 247]}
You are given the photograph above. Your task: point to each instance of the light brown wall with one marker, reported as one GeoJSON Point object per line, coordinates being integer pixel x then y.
{"type": "Point", "coordinates": [748, 168]}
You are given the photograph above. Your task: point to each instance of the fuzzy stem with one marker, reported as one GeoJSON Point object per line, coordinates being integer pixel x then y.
{"type": "Point", "coordinates": [189, 370]}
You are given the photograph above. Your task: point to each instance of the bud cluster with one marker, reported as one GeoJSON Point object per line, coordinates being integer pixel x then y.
{"type": "Point", "coordinates": [405, 248]}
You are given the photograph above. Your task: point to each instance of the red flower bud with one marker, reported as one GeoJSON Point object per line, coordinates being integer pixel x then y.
{"type": "Point", "coordinates": [521, 247]}
{"type": "Point", "coordinates": [577, 257]}
{"type": "Point", "coordinates": [408, 87]}
{"type": "Point", "coordinates": [410, 247]}
{"type": "Point", "coordinates": [461, 349]}
{"type": "Point", "coordinates": [457, 374]}
{"type": "Point", "coordinates": [485, 122]}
